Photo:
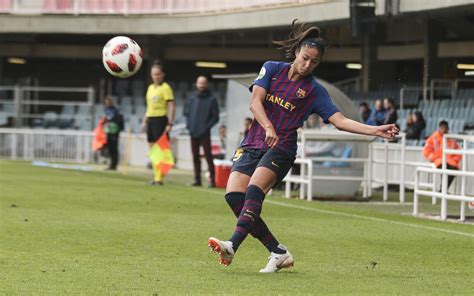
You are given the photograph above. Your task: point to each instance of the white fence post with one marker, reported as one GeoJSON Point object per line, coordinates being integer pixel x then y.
{"type": "Point", "coordinates": [25, 146]}
{"type": "Point", "coordinates": [462, 215]}
{"type": "Point", "coordinates": [302, 173]}
{"type": "Point", "coordinates": [415, 195]}
{"type": "Point", "coordinates": [369, 171]}
{"type": "Point", "coordinates": [13, 145]}
{"type": "Point", "coordinates": [288, 186]}
{"type": "Point", "coordinates": [435, 188]}
{"type": "Point", "coordinates": [402, 170]}
{"type": "Point", "coordinates": [444, 189]}
{"type": "Point", "coordinates": [310, 177]}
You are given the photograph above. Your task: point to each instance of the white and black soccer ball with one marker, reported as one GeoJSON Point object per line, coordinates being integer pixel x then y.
{"type": "Point", "coordinates": [122, 56]}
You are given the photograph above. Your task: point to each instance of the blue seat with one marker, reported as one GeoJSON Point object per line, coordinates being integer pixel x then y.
{"type": "Point", "coordinates": [346, 154]}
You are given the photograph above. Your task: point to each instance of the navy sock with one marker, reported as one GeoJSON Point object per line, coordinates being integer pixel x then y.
{"type": "Point", "coordinates": [249, 215]}
{"type": "Point", "coordinates": [260, 230]}
{"type": "Point", "coordinates": [236, 201]}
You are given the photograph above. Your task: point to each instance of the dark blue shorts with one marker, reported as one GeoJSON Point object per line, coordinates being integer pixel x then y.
{"type": "Point", "coordinates": [246, 161]}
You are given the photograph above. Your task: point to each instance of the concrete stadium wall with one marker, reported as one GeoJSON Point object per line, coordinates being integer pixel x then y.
{"type": "Point", "coordinates": [172, 24]}
{"type": "Point", "coordinates": [177, 24]}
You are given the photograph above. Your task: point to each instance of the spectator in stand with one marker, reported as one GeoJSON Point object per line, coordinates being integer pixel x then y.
{"type": "Point", "coordinates": [364, 112]}
{"type": "Point", "coordinates": [243, 134]}
{"type": "Point", "coordinates": [409, 126]}
{"type": "Point", "coordinates": [247, 124]}
{"type": "Point", "coordinates": [377, 117]}
{"type": "Point", "coordinates": [391, 115]}
{"type": "Point", "coordinates": [433, 150]}
{"type": "Point", "coordinates": [202, 113]}
{"type": "Point", "coordinates": [415, 132]}
{"type": "Point", "coordinates": [313, 121]}
{"type": "Point", "coordinates": [113, 124]}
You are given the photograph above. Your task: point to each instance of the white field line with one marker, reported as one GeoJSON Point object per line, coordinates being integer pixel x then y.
{"type": "Point", "coordinates": [412, 225]}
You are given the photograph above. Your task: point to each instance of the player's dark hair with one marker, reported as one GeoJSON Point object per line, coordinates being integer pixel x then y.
{"type": "Point", "coordinates": [419, 116]}
{"type": "Point", "coordinates": [443, 123]}
{"type": "Point", "coordinates": [158, 64]}
{"type": "Point", "coordinates": [391, 101]}
{"type": "Point", "coordinates": [302, 35]}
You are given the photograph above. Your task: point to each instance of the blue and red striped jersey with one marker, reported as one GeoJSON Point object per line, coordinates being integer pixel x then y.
{"type": "Point", "coordinates": [287, 105]}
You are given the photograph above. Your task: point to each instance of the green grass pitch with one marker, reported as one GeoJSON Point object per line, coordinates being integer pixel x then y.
{"type": "Point", "coordinates": [66, 232]}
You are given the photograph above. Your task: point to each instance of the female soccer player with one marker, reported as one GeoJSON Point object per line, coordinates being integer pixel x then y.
{"type": "Point", "coordinates": [283, 97]}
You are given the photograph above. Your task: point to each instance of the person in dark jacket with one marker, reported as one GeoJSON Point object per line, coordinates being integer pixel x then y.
{"type": "Point", "coordinates": [113, 125]}
{"type": "Point", "coordinates": [391, 115]}
{"type": "Point", "coordinates": [364, 112]}
{"type": "Point", "coordinates": [202, 113]}
{"type": "Point", "coordinates": [416, 130]}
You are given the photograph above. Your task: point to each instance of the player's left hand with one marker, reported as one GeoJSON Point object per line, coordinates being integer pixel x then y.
{"type": "Point", "coordinates": [168, 128]}
{"type": "Point", "coordinates": [388, 131]}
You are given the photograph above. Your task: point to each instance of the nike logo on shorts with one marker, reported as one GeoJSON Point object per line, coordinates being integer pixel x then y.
{"type": "Point", "coordinates": [273, 163]}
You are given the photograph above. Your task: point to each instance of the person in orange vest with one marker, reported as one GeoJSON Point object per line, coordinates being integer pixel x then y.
{"type": "Point", "coordinates": [433, 150]}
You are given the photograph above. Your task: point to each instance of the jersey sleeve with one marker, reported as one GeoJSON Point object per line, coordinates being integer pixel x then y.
{"type": "Point", "coordinates": [168, 93]}
{"type": "Point", "coordinates": [265, 75]}
{"type": "Point", "coordinates": [323, 105]}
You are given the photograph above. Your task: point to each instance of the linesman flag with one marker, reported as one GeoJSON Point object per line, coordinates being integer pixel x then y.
{"type": "Point", "coordinates": [100, 138]}
{"type": "Point", "coordinates": [161, 156]}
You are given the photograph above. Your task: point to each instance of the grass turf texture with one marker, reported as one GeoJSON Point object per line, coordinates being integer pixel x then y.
{"type": "Point", "coordinates": [70, 232]}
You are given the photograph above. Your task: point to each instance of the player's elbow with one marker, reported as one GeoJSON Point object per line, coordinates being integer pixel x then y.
{"type": "Point", "coordinates": [338, 125]}
{"type": "Point", "coordinates": [338, 121]}
{"type": "Point", "coordinates": [252, 107]}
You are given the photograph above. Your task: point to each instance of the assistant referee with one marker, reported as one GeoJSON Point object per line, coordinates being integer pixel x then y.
{"type": "Point", "coordinates": [160, 111]}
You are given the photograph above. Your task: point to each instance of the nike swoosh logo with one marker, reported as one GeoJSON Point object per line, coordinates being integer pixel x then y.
{"type": "Point", "coordinates": [274, 78]}
{"type": "Point", "coordinates": [275, 164]}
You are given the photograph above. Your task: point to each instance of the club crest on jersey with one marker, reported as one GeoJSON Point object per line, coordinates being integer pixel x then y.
{"type": "Point", "coordinates": [300, 93]}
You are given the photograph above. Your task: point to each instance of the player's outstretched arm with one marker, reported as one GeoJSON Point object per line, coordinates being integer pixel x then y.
{"type": "Point", "coordinates": [387, 131]}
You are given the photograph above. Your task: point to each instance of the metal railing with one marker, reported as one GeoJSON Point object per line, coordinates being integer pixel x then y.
{"type": "Point", "coordinates": [396, 158]}
{"type": "Point", "coordinates": [350, 84]}
{"type": "Point", "coordinates": [446, 85]}
{"type": "Point", "coordinates": [458, 81]}
{"type": "Point", "coordinates": [27, 106]}
{"type": "Point", "coordinates": [404, 90]}
{"type": "Point", "coordinates": [53, 145]}
{"type": "Point", "coordinates": [306, 178]}
{"type": "Point", "coordinates": [395, 169]}
{"type": "Point", "coordinates": [444, 172]}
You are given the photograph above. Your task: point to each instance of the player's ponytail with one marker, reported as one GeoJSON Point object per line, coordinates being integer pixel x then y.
{"type": "Point", "coordinates": [302, 35]}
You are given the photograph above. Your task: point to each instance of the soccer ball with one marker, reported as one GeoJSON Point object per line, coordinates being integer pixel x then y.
{"type": "Point", "coordinates": [122, 57]}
